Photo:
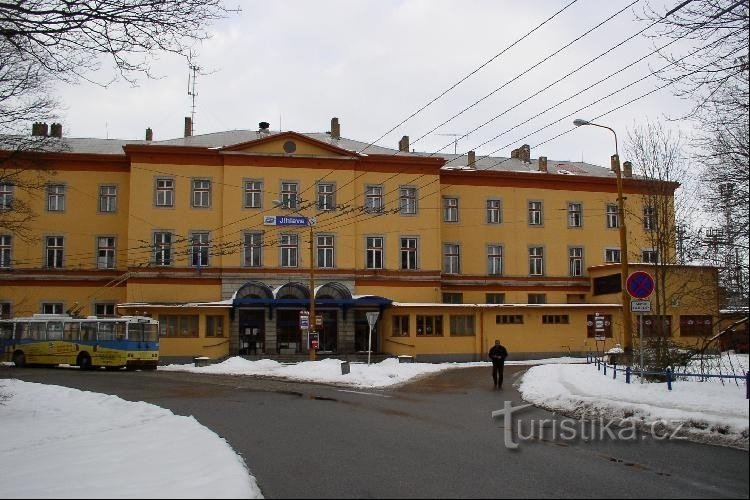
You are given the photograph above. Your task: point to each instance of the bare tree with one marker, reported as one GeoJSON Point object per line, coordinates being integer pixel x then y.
{"type": "Point", "coordinates": [46, 41]}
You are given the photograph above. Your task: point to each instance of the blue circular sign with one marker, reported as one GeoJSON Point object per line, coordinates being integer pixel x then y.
{"type": "Point", "coordinates": [640, 285]}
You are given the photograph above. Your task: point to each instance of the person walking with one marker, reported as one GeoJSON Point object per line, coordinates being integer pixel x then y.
{"type": "Point", "coordinates": [497, 354]}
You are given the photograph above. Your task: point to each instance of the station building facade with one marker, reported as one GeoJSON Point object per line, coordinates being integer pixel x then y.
{"type": "Point", "coordinates": [452, 251]}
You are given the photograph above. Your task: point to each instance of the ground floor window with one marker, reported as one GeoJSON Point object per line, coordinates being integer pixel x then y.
{"type": "Point", "coordinates": [178, 326]}
{"type": "Point", "coordinates": [696, 325]}
{"type": "Point", "coordinates": [214, 326]}
{"type": "Point", "coordinates": [462, 325]}
{"type": "Point", "coordinates": [400, 326]}
{"type": "Point", "coordinates": [429, 326]}
{"type": "Point", "coordinates": [657, 326]}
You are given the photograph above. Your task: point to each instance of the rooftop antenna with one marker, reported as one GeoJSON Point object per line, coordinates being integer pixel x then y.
{"type": "Point", "coordinates": [455, 141]}
{"type": "Point", "coordinates": [191, 90]}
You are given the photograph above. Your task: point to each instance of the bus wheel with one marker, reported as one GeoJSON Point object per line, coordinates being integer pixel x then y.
{"type": "Point", "coordinates": [84, 361]}
{"type": "Point", "coordinates": [19, 359]}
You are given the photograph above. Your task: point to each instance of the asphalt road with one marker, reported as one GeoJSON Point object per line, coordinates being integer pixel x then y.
{"type": "Point", "coordinates": [434, 438]}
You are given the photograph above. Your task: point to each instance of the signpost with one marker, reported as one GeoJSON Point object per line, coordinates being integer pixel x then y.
{"type": "Point", "coordinates": [372, 318]}
{"type": "Point", "coordinates": [640, 286]}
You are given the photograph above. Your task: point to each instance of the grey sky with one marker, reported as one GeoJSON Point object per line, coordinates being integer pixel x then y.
{"type": "Point", "coordinates": [371, 63]}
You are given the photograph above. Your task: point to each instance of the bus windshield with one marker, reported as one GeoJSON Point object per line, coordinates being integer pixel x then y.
{"type": "Point", "coordinates": [143, 332]}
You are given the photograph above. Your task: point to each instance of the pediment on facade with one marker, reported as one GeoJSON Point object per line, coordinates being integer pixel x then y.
{"type": "Point", "coordinates": [290, 144]}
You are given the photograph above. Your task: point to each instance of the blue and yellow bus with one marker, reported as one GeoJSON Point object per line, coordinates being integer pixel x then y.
{"type": "Point", "coordinates": [129, 342]}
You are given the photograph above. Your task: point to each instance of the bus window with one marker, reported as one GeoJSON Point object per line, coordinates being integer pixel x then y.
{"type": "Point", "coordinates": [71, 331]}
{"type": "Point", "coordinates": [36, 330]}
{"type": "Point", "coordinates": [106, 331]}
{"type": "Point", "coordinates": [54, 330]}
{"type": "Point", "coordinates": [119, 330]}
{"type": "Point", "coordinates": [6, 330]}
{"type": "Point", "coordinates": [151, 332]}
{"type": "Point", "coordinates": [88, 330]}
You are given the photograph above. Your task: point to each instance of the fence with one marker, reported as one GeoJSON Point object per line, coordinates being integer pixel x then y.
{"type": "Point", "coordinates": [668, 374]}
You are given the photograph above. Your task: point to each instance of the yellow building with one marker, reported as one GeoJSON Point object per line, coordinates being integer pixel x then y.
{"type": "Point", "coordinates": [211, 235]}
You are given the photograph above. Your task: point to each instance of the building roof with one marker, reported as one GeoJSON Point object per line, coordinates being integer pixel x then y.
{"type": "Point", "coordinates": [216, 140]}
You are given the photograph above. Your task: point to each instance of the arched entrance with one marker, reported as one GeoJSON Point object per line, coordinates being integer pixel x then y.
{"type": "Point", "coordinates": [251, 320]}
{"type": "Point", "coordinates": [288, 333]}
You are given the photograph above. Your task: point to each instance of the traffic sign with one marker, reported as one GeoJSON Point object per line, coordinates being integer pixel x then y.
{"type": "Point", "coordinates": [640, 285]}
{"type": "Point", "coordinates": [287, 220]}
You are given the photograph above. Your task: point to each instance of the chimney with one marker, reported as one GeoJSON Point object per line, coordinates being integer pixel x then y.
{"type": "Point", "coordinates": [525, 153]}
{"type": "Point", "coordinates": [472, 159]}
{"type": "Point", "coordinates": [627, 168]}
{"type": "Point", "coordinates": [149, 134]}
{"type": "Point", "coordinates": [403, 144]}
{"type": "Point", "coordinates": [188, 126]}
{"type": "Point", "coordinates": [39, 129]}
{"type": "Point", "coordinates": [515, 153]}
{"type": "Point", "coordinates": [543, 164]}
{"type": "Point", "coordinates": [263, 128]}
{"type": "Point", "coordinates": [335, 128]}
{"type": "Point", "coordinates": [55, 130]}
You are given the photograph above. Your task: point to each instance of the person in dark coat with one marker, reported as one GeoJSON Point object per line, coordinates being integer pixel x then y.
{"type": "Point", "coordinates": [497, 354]}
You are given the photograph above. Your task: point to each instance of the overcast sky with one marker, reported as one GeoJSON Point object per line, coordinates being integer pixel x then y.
{"type": "Point", "coordinates": [372, 63]}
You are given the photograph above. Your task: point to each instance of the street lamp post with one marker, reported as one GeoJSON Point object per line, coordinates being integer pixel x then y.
{"type": "Point", "coordinates": [615, 164]}
{"type": "Point", "coordinates": [313, 322]}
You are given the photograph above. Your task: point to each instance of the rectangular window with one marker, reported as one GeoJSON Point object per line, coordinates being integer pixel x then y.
{"type": "Point", "coordinates": [214, 326]}
{"type": "Point", "coordinates": [105, 252]}
{"type": "Point", "coordinates": [56, 197]}
{"type": "Point", "coordinates": [104, 310]}
{"type": "Point", "coordinates": [407, 201]}
{"type": "Point", "coordinates": [694, 325]}
{"type": "Point", "coordinates": [494, 212]}
{"type": "Point", "coordinates": [462, 325]}
{"type": "Point", "coordinates": [509, 319]}
{"type": "Point", "coordinates": [289, 250]}
{"type": "Point", "coordinates": [55, 250]}
{"type": "Point", "coordinates": [575, 215]}
{"type": "Point", "coordinates": [613, 216]}
{"type": "Point", "coordinates": [325, 251]}
{"type": "Point", "coordinates": [537, 298]}
{"type": "Point", "coordinates": [107, 199]}
{"type": "Point", "coordinates": [575, 261]}
{"type": "Point", "coordinates": [374, 255]}
{"type": "Point", "coordinates": [611, 255]}
{"type": "Point", "coordinates": [450, 209]}
{"type": "Point", "coordinates": [164, 192]}
{"type": "Point", "coordinates": [451, 258]}
{"type": "Point", "coordinates": [429, 326]}
{"type": "Point", "coordinates": [6, 196]}
{"type": "Point", "coordinates": [326, 196]}
{"type": "Point", "coordinates": [494, 260]}
{"type": "Point", "coordinates": [199, 249]}
{"type": "Point", "coordinates": [409, 253]}
{"type": "Point", "coordinates": [536, 261]}
{"type": "Point", "coordinates": [52, 308]}
{"type": "Point", "coordinates": [453, 298]}
{"type": "Point", "coordinates": [649, 218]}
{"type": "Point", "coordinates": [5, 310]}
{"type": "Point", "coordinates": [494, 298]}
{"type": "Point", "coordinates": [374, 199]}
{"type": "Point", "coordinates": [650, 256]}
{"type": "Point", "coordinates": [5, 248]}
{"type": "Point", "coordinates": [657, 326]}
{"type": "Point", "coordinates": [253, 194]}
{"type": "Point", "coordinates": [535, 213]}
{"type": "Point", "coordinates": [252, 246]}
{"type": "Point", "coordinates": [400, 326]}
{"type": "Point", "coordinates": [178, 326]}
{"type": "Point", "coordinates": [555, 319]}
{"type": "Point", "coordinates": [163, 249]}
{"type": "Point", "coordinates": [290, 195]}
{"type": "Point", "coordinates": [599, 325]}
{"type": "Point", "coordinates": [201, 193]}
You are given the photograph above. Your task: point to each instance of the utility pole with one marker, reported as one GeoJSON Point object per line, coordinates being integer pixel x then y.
{"type": "Point", "coordinates": [192, 93]}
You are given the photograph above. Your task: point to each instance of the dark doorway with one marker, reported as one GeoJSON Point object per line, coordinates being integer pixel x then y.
{"type": "Point", "coordinates": [288, 332]}
{"type": "Point", "coordinates": [362, 332]}
{"type": "Point", "coordinates": [329, 331]}
{"type": "Point", "coordinates": [252, 331]}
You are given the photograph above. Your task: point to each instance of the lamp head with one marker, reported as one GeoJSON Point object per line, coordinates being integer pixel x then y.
{"type": "Point", "coordinates": [579, 122]}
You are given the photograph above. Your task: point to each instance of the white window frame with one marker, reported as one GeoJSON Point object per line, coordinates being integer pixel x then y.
{"type": "Point", "coordinates": [450, 209]}
{"type": "Point", "coordinates": [536, 260]}
{"type": "Point", "coordinates": [409, 250]}
{"type": "Point", "coordinates": [54, 252]}
{"type": "Point", "coordinates": [375, 249]}
{"type": "Point", "coordinates": [56, 197]}
{"type": "Point", "coordinates": [575, 261]}
{"type": "Point", "coordinates": [200, 248]}
{"type": "Point", "coordinates": [575, 214]}
{"type": "Point", "coordinates": [495, 260]}
{"type": "Point", "coordinates": [290, 195]}
{"type": "Point", "coordinates": [107, 198]}
{"type": "Point", "coordinates": [536, 212]}
{"type": "Point", "coordinates": [6, 196]}
{"type": "Point", "coordinates": [253, 193]}
{"type": "Point", "coordinates": [407, 200]}
{"type": "Point", "coordinates": [164, 192]}
{"type": "Point", "coordinates": [610, 254]}
{"type": "Point", "coordinates": [201, 193]}
{"type": "Point", "coordinates": [326, 196]}
{"type": "Point", "coordinates": [163, 248]}
{"type": "Point", "coordinates": [252, 249]}
{"type": "Point", "coordinates": [325, 251]}
{"type": "Point", "coordinates": [289, 250]}
{"type": "Point", "coordinates": [612, 215]}
{"type": "Point", "coordinates": [106, 251]}
{"type": "Point", "coordinates": [451, 258]}
{"type": "Point", "coordinates": [6, 250]}
{"type": "Point", "coordinates": [494, 211]}
{"type": "Point", "coordinates": [374, 199]}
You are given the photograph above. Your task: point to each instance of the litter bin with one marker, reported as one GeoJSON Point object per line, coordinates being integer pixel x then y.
{"type": "Point", "coordinates": [345, 367]}
{"type": "Point", "coordinates": [201, 361]}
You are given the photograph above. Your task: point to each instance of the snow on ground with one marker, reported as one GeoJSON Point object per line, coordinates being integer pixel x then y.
{"type": "Point", "coordinates": [57, 442]}
{"type": "Point", "coordinates": [714, 411]}
{"type": "Point", "coordinates": [388, 372]}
